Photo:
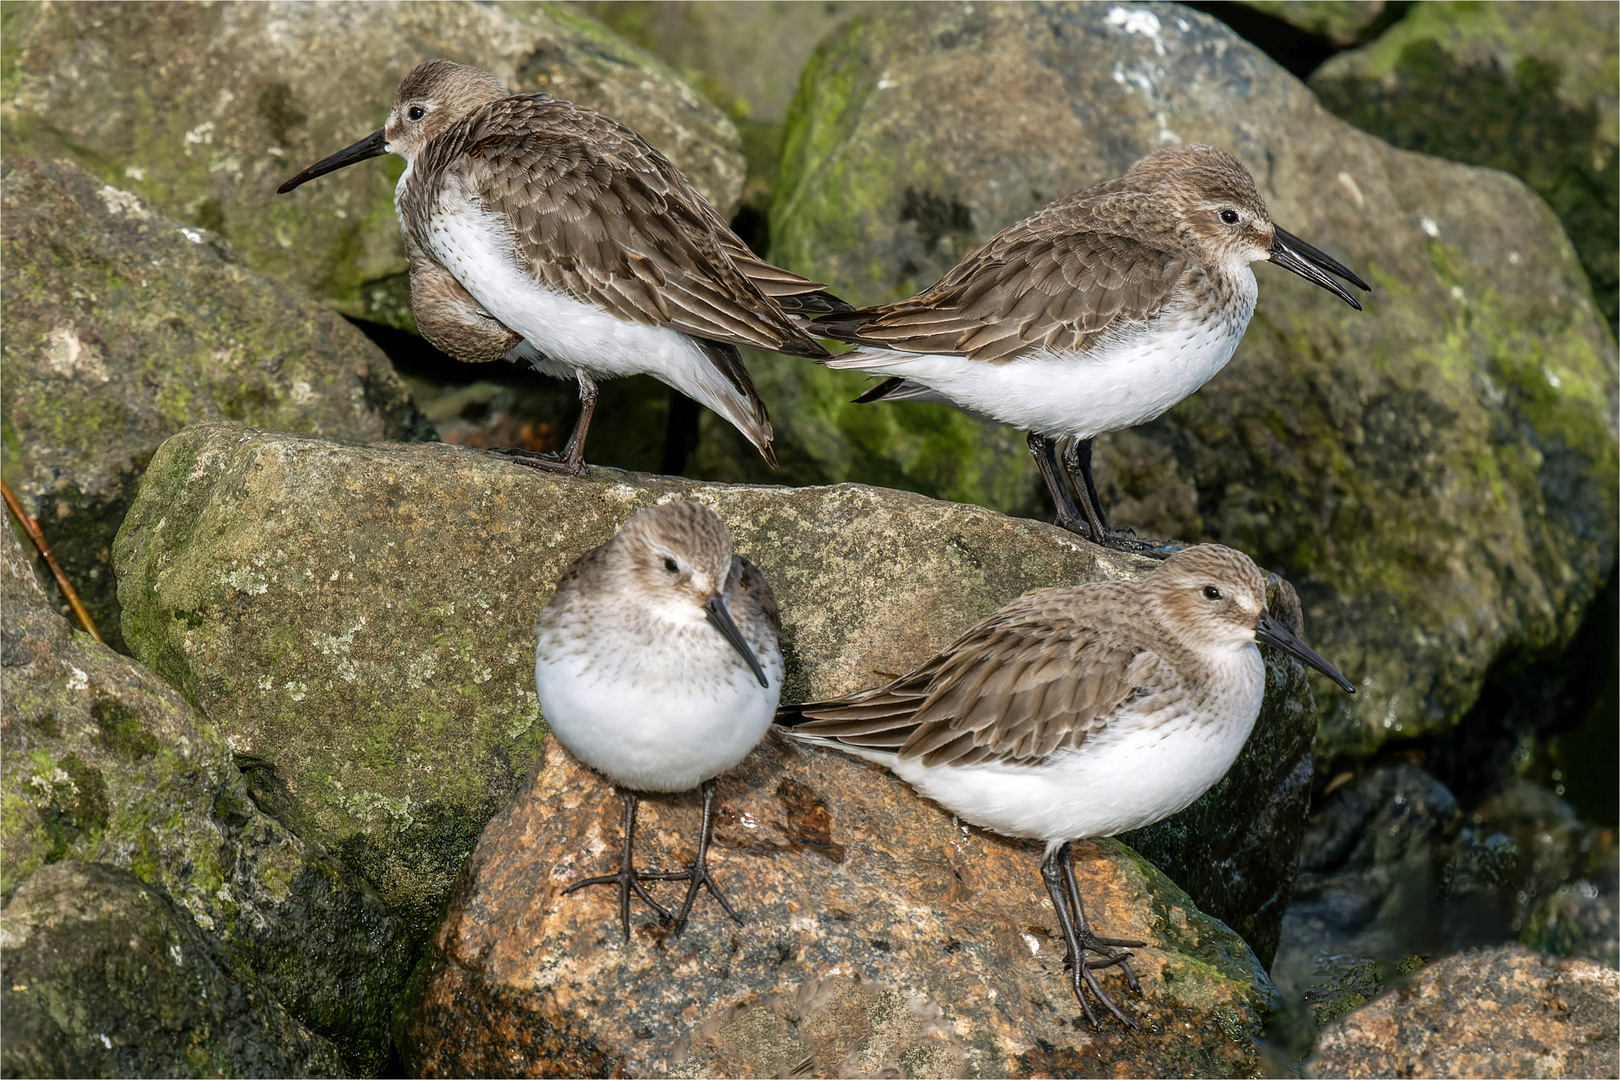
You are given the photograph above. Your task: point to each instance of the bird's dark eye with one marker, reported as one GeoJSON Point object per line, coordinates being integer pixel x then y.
{"type": "Point", "coordinates": [672, 566]}
{"type": "Point", "coordinates": [1228, 216]}
{"type": "Point", "coordinates": [1211, 593]}
{"type": "Point", "coordinates": [416, 112]}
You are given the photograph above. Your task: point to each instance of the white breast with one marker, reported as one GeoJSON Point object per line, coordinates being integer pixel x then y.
{"type": "Point", "coordinates": [1116, 384]}
{"type": "Point", "coordinates": [662, 710]}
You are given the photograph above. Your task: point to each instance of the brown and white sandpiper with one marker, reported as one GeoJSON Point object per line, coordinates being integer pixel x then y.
{"type": "Point", "coordinates": [1078, 712]}
{"type": "Point", "coordinates": [658, 665]}
{"type": "Point", "coordinates": [1098, 313]}
{"type": "Point", "coordinates": [542, 231]}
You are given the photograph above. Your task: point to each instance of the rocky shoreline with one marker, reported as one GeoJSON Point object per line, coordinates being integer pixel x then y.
{"type": "Point", "coordinates": [301, 816]}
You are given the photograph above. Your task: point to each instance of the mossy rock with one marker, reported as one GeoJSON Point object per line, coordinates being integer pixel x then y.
{"type": "Point", "coordinates": [105, 976]}
{"type": "Point", "coordinates": [1528, 88]}
{"type": "Point", "coordinates": [1436, 475]}
{"type": "Point", "coordinates": [359, 621]}
{"type": "Point", "coordinates": [105, 764]}
{"type": "Point", "coordinates": [204, 109]}
{"type": "Point", "coordinates": [120, 326]}
{"type": "Point", "coordinates": [1341, 22]}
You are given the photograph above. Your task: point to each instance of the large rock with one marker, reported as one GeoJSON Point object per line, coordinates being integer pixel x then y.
{"type": "Point", "coordinates": [106, 977]}
{"type": "Point", "coordinates": [359, 621]}
{"type": "Point", "coordinates": [878, 934]}
{"type": "Point", "coordinates": [205, 108]}
{"type": "Point", "coordinates": [1525, 87]}
{"type": "Point", "coordinates": [120, 326]}
{"type": "Point", "coordinates": [1495, 1012]}
{"type": "Point", "coordinates": [1436, 475]}
{"type": "Point", "coordinates": [106, 764]}
{"type": "Point", "coordinates": [1341, 23]}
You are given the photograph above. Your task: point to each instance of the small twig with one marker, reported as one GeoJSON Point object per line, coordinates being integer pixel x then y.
{"type": "Point", "coordinates": [32, 528]}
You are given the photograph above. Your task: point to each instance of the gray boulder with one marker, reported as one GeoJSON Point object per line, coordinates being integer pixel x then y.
{"type": "Point", "coordinates": [359, 621]}
{"type": "Point", "coordinates": [1436, 475]}
{"type": "Point", "coordinates": [120, 326]}
{"type": "Point", "coordinates": [105, 764]}
{"type": "Point", "coordinates": [105, 976]}
{"type": "Point", "coordinates": [204, 109]}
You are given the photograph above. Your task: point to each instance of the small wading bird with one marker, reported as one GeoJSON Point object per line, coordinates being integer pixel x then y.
{"type": "Point", "coordinates": [658, 666]}
{"type": "Point", "coordinates": [541, 231]}
{"type": "Point", "coordinates": [1098, 313]}
{"type": "Point", "coordinates": [1078, 712]}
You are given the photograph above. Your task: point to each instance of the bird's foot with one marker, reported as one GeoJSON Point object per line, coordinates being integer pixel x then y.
{"type": "Point", "coordinates": [698, 874]}
{"type": "Point", "coordinates": [1112, 953]}
{"type": "Point", "coordinates": [1121, 539]}
{"type": "Point", "coordinates": [544, 461]}
{"type": "Point", "coordinates": [628, 881]}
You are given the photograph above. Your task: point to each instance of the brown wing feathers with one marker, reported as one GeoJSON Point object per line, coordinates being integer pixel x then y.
{"type": "Point", "coordinates": [1015, 688]}
{"type": "Point", "coordinates": [602, 216]}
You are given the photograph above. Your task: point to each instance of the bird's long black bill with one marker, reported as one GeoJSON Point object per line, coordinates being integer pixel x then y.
{"type": "Point", "coordinates": [719, 618]}
{"type": "Point", "coordinates": [1274, 633]}
{"type": "Point", "coordinates": [1291, 253]}
{"type": "Point", "coordinates": [373, 145]}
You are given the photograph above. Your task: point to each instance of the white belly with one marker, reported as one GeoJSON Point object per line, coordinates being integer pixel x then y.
{"type": "Point", "coordinates": [657, 719]}
{"type": "Point", "coordinates": [1113, 386]}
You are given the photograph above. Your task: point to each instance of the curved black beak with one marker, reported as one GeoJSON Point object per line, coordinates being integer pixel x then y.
{"type": "Point", "coordinates": [1291, 253]}
{"type": "Point", "coordinates": [373, 145]}
{"type": "Point", "coordinates": [1275, 634]}
{"type": "Point", "coordinates": [719, 618]}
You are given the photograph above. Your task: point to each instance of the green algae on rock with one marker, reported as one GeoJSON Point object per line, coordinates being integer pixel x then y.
{"type": "Point", "coordinates": [203, 109]}
{"type": "Point", "coordinates": [1435, 475]}
{"type": "Point", "coordinates": [1529, 88]}
{"type": "Point", "coordinates": [105, 976]}
{"type": "Point", "coordinates": [359, 621]}
{"type": "Point", "coordinates": [121, 326]}
{"type": "Point", "coordinates": [880, 934]}
{"type": "Point", "coordinates": [106, 764]}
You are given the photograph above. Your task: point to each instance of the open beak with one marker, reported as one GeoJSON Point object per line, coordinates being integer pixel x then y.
{"type": "Point", "coordinates": [719, 618]}
{"type": "Point", "coordinates": [1275, 634]}
{"type": "Point", "coordinates": [373, 145]}
{"type": "Point", "coordinates": [1291, 253]}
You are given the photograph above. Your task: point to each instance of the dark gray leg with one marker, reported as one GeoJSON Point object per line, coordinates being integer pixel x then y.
{"type": "Point", "coordinates": [626, 879]}
{"type": "Point", "coordinates": [1058, 873]}
{"type": "Point", "coordinates": [1044, 451]}
{"type": "Point", "coordinates": [700, 866]}
{"type": "Point", "coordinates": [572, 458]}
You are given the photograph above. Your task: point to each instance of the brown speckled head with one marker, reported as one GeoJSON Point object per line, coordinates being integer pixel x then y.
{"type": "Point", "coordinates": [1207, 593]}
{"type": "Point", "coordinates": [680, 549]}
{"type": "Point", "coordinates": [432, 97]}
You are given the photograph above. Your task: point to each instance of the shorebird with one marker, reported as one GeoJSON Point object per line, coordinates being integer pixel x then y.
{"type": "Point", "coordinates": [658, 665]}
{"type": "Point", "coordinates": [1078, 712]}
{"type": "Point", "coordinates": [1098, 313]}
{"type": "Point", "coordinates": [543, 232]}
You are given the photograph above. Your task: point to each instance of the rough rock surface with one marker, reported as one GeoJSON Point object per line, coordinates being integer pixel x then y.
{"type": "Point", "coordinates": [1496, 1012]}
{"type": "Point", "coordinates": [205, 108]}
{"type": "Point", "coordinates": [1525, 87]}
{"type": "Point", "coordinates": [879, 934]}
{"type": "Point", "coordinates": [1436, 475]}
{"type": "Point", "coordinates": [359, 622]}
{"type": "Point", "coordinates": [106, 764]}
{"type": "Point", "coordinates": [122, 325]}
{"type": "Point", "coordinates": [105, 976]}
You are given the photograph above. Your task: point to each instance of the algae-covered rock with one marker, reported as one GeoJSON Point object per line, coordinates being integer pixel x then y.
{"type": "Point", "coordinates": [878, 934]}
{"type": "Point", "coordinates": [1525, 87]}
{"type": "Point", "coordinates": [105, 976]}
{"type": "Point", "coordinates": [359, 621]}
{"type": "Point", "coordinates": [120, 325]}
{"type": "Point", "coordinates": [106, 764]}
{"type": "Point", "coordinates": [1436, 475]}
{"type": "Point", "coordinates": [1341, 22]}
{"type": "Point", "coordinates": [204, 109]}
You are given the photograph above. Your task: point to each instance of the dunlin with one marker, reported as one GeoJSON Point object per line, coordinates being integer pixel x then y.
{"type": "Point", "coordinates": [544, 232]}
{"type": "Point", "coordinates": [1079, 712]}
{"type": "Point", "coordinates": [1096, 314]}
{"type": "Point", "coordinates": [658, 666]}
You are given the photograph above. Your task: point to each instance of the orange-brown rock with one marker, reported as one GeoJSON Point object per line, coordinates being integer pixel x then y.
{"type": "Point", "coordinates": [1493, 1012]}
{"type": "Point", "coordinates": [880, 937]}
